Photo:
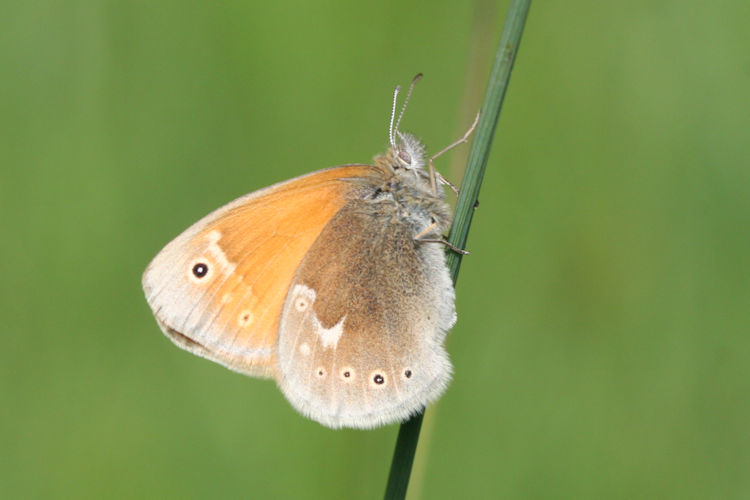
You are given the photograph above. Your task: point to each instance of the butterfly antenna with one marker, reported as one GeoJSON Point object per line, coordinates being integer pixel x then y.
{"type": "Point", "coordinates": [391, 135]}
{"type": "Point", "coordinates": [406, 101]}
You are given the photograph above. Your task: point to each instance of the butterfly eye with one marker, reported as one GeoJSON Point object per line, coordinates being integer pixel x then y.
{"type": "Point", "coordinates": [404, 157]}
{"type": "Point", "coordinates": [200, 270]}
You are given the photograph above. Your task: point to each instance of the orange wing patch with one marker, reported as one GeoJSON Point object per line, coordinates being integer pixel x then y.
{"type": "Point", "coordinates": [251, 249]}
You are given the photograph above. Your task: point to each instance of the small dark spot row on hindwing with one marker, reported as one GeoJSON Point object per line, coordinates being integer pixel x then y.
{"type": "Point", "coordinates": [347, 374]}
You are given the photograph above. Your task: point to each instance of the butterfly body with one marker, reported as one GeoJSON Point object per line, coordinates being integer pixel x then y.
{"type": "Point", "coordinates": [331, 283]}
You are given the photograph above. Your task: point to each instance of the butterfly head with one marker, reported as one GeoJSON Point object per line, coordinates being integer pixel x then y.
{"type": "Point", "coordinates": [405, 161]}
{"type": "Point", "coordinates": [408, 153]}
{"type": "Point", "coordinates": [405, 154]}
{"type": "Point", "coordinates": [405, 158]}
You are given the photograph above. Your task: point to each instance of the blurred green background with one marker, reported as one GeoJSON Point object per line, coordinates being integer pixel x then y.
{"type": "Point", "coordinates": [602, 348]}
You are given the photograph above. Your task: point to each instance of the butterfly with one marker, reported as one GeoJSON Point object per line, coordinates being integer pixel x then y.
{"type": "Point", "coordinates": [333, 283]}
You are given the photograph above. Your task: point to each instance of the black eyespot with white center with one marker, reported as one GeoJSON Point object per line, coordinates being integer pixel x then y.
{"type": "Point", "coordinates": [200, 270]}
{"type": "Point", "coordinates": [378, 379]}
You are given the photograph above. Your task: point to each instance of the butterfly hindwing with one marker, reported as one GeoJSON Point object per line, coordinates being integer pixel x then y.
{"type": "Point", "coordinates": [363, 324]}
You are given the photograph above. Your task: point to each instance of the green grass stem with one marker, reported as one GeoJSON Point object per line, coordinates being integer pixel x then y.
{"type": "Point", "coordinates": [408, 436]}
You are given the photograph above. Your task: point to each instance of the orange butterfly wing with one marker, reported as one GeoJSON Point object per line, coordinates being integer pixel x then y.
{"type": "Point", "coordinates": [217, 289]}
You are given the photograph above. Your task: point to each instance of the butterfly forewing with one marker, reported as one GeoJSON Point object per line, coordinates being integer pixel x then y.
{"type": "Point", "coordinates": [217, 289]}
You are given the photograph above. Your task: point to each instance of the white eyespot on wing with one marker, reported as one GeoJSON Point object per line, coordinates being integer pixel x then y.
{"type": "Point", "coordinates": [245, 318]}
{"type": "Point", "coordinates": [303, 297]}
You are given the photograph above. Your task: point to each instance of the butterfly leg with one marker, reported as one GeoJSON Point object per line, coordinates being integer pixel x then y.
{"type": "Point", "coordinates": [436, 175]}
{"type": "Point", "coordinates": [429, 229]}
{"type": "Point", "coordinates": [446, 182]}
{"type": "Point", "coordinates": [446, 243]}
